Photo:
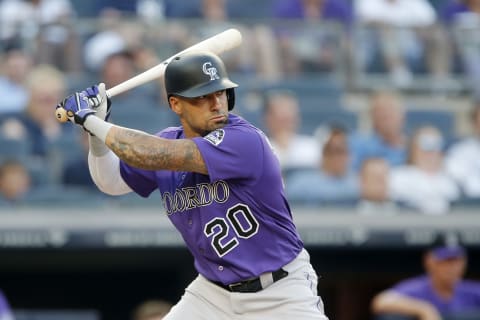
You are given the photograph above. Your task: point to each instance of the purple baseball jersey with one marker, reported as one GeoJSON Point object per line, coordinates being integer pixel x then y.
{"type": "Point", "coordinates": [235, 221]}
{"type": "Point", "coordinates": [5, 311]}
{"type": "Point", "coordinates": [465, 299]}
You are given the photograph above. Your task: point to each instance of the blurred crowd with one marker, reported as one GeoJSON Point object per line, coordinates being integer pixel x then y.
{"type": "Point", "coordinates": [291, 51]}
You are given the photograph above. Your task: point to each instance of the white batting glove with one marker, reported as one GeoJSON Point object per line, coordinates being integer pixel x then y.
{"type": "Point", "coordinates": [99, 101]}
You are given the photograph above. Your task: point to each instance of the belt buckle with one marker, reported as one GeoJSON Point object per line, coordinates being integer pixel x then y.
{"type": "Point", "coordinates": [232, 286]}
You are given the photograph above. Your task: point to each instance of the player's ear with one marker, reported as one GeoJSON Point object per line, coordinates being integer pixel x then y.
{"type": "Point", "coordinates": [175, 104]}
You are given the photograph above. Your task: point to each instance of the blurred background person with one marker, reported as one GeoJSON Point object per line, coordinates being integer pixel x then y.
{"type": "Point", "coordinates": [14, 68]}
{"type": "Point", "coordinates": [461, 160]}
{"type": "Point", "coordinates": [404, 35]}
{"type": "Point", "coordinates": [423, 184]}
{"type": "Point", "coordinates": [374, 197]}
{"type": "Point", "coordinates": [15, 183]}
{"type": "Point", "coordinates": [440, 292]}
{"type": "Point", "coordinates": [46, 86]}
{"type": "Point", "coordinates": [332, 182]}
{"type": "Point", "coordinates": [308, 48]}
{"type": "Point", "coordinates": [462, 18]}
{"type": "Point", "coordinates": [215, 17]}
{"type": "Point", "coordinates": [119, 67]}
{"type": "Point", "coordinates": [46, 27]}
{"type": "Point", "coordinates": [151, 310]}
{"type": "Point", "coordinates": [282, 123]}
{"type": "Point", "coordinates": [387, 138]}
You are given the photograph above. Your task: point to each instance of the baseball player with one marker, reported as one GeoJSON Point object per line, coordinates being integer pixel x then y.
{"type": "Point", "coordinates": [221, 187]}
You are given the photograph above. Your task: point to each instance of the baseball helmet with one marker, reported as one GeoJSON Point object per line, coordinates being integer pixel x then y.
{"type": "Point", "coordinates": [197, 73]}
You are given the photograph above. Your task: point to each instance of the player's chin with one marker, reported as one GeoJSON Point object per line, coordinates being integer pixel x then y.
{"type": "Point", "coordinates": [218, 122]}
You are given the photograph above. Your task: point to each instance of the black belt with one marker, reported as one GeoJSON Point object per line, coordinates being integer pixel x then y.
{"type": "Point", "coordinates": [253, 284]}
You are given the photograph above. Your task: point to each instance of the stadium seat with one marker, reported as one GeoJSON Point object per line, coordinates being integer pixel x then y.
{"type": "Point", "coordinates": [14, 149]}
{"type": "Point", "coordinates": [61, 196]}
{"type": "Point", "coordinates": [147, 118]}
{"type": "Point", "coordinates": [315, 118]}
{"type": "Point", "coordinates": [443, 120]}
{"type": "Point", "coordinates": [250, 9]}
{"type": "Point", "coordinates": [133, 200]}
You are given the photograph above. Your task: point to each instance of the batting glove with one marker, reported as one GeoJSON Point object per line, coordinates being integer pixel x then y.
{"type": "Point", "coordinates": [98, 100]}
{"type": "Point", "coordinates": [77, 107]}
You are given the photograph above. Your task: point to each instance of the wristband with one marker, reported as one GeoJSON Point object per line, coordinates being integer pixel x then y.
{"type": "Point", "coordinates": [97, 127]}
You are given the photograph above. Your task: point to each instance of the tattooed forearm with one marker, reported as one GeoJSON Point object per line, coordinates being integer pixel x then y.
{"type": "Point", "coordinates": [145, 151]}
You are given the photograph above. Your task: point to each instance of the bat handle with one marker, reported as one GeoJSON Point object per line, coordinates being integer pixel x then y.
{"type": "Point", "coordinates": [61, 115]}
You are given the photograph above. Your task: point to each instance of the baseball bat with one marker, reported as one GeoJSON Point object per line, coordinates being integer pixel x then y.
{"type": "Point", "coordinates": [217, 44]}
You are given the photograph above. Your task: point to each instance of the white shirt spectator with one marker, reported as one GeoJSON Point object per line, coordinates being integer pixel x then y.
{"type": "Point", "coordinates": [462, 163]}
{"type": "Point", "coordinates": [302, 152]}
{"type": "Point", "coordinates": [15, 13]}
{"type": "Point", "coordinates": [401, 13]}
{"type": "Point", "coordinates": [429, 193]}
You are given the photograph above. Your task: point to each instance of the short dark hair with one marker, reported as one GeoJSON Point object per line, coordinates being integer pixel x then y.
{"type": "Point", "coordinates": [446, 245]}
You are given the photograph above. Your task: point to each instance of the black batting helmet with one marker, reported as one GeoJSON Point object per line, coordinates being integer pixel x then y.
{"type": "Point", "coordinates": [197, 73]}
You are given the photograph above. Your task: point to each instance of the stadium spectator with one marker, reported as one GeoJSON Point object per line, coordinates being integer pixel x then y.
{"type": "Point", "coordinates": [404, 34]}
{"type": "Point", "coordinates": [332, 182]}
{"type": "Point", "coordinates": [5, 311]}
{"type": "Point", "coordinates": [461, 160]}
{"type": "Point", "coordinates": [151, 310]}
{"type": "Point", "coordinates": [15, 183]}
{"type": "Point", "coordinates": [387, 139]}
{"type": "Point", "coordinates": [423, 184]}
{"type": "Point", "coordinates": [310, 48]}
{"type": "Point", "coordinates": [119, 67]}
{"type": "Point", "coordinates": [48, 24]}
{"type": "Point", "coordinates": [282, 122]}
{"type": "Point", "coordinates": [463, 18]}
{"type": "Point", "coordinates": [46, 85]}
{"type": "Point", "coordinates": [14, 69]}
{"type": "Point", "coordinates": [213, 18]}
{"type": "Point", "coordinates": [441, 292]}
{"type": "Point", "coordinates": [374, 197]}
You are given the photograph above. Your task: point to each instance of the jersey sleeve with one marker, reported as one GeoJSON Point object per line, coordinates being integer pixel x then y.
{"type": "Point", "coordinates": [141, 181]}
{"type": "Point", "coordinates": [144, 182]}
{"type": "Point", "coordinates": [414, 287]}
{"type": "Point", "coordinates": [232, 153]}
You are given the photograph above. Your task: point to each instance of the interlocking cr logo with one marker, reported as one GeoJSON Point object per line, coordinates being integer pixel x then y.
{"type": "Point", "coordinates": [210, 71]}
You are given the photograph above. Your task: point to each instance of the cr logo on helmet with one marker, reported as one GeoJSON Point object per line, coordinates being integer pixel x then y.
{"type": "Point", "coordinates": [212, 72]}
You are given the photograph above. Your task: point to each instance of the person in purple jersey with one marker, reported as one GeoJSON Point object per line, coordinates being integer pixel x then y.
{"type": "Point", "coordinates": [221, 187]}
{"type": "Point", "coordinates": [5, 311]}
{"type": "Point", "coordinates": [440, 293]}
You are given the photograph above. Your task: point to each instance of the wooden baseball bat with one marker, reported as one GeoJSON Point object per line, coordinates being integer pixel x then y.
{"type": "Point", "coordinates": [217, 44]}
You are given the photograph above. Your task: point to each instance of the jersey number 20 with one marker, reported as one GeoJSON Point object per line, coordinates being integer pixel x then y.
{"type": "Point", "coordinates": [219, 228]}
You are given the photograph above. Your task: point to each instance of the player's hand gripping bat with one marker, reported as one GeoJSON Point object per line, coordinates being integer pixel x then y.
{"type": "Point", "coordinates": [217, 44]}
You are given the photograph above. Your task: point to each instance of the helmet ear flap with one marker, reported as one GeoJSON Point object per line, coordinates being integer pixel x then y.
{"type": "Point", "coordinates": [230, 98]}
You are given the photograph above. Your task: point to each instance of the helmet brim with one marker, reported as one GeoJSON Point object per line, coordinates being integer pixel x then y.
{"type": "Point", "coordinates": [206, 88]}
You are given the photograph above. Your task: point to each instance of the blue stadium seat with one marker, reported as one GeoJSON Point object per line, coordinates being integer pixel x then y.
{"type": "Point", "coordinates": [250, 9]}
{"type": "Point", "coordinates": [312, 119]}
{"type": "Point", "coordinates": [66, 147]}
{"type": "Point", "coordinates": [62, 197]}
{"type": "Point", "coordinates": [320, 99]}
{"type": "Point", "coordinates": [443, 120]}
{"type": "Point", "coordinates": [150, 119]}
{"type": "Point", "coordinates": [14, 149]}
{"type": "Point", "coordinates": [85, 8]}
{"type": "Point", "coordinates": [133, 200]}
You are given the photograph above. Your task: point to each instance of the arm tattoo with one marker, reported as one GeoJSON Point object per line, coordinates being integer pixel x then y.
{"type": "Point", "coordinates": [145, 151]}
